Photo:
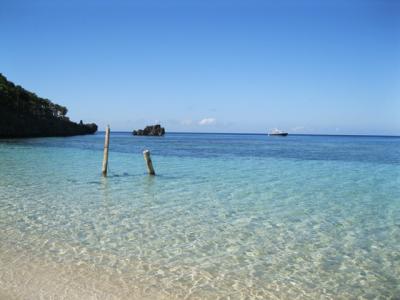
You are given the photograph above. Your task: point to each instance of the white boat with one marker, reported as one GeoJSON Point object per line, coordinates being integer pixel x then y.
{"type": "Point", "coordinates": [277, 132]}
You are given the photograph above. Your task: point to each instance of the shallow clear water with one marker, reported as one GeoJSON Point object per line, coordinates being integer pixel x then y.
{"type": "Point", "coordinates": [227, 216]}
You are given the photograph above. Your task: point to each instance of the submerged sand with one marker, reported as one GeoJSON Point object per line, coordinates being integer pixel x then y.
{"type": "Point", "coordinates": [24, 276]}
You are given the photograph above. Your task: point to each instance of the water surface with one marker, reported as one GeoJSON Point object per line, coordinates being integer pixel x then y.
{"type": "Point", "coordinates": [226, 217]}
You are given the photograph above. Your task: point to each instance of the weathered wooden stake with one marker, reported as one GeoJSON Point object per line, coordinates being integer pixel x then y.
{"type": "Point", "coordinates": [147, 158]}
{"type": "Point", "coordinates": [105, 156]}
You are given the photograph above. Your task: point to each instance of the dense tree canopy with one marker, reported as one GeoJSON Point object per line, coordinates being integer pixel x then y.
{"type": "Point", "coordinates": [20, 100]}
{"type": "Point", "coordinates": [23, 113]}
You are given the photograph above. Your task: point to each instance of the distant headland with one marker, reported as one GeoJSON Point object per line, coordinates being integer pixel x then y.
{"type": "Point", "coordinates": [24, 114]}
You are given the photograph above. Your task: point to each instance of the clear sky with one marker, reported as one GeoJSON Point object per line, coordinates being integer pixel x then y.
{"type": "Point", "coordinates": [211, 66]}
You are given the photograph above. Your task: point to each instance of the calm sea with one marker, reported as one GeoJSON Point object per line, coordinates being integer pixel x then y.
{"type": "Point", "coordinates": [228, 216]}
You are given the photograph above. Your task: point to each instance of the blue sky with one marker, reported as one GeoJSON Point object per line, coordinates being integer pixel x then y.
{"type": "Point", "coordinates": [211, 66]}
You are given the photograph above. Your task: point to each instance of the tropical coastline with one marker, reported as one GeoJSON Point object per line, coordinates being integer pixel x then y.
{"type": "Point", "coordinates": [199, 150]}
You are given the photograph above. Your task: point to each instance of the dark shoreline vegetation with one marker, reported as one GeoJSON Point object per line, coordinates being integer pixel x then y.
{"type": "Point", "coordinates": [24, 114]}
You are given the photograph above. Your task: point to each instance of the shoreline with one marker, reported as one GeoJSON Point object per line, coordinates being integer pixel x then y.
{"type": "Point", "coordinates": [28, 276]}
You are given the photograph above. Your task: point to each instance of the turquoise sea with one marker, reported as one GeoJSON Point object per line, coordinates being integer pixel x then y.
{"type": "Point", "coordinates": [228, 216]}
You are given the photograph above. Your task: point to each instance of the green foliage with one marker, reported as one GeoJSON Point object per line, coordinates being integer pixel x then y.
{"type": "Point", "coordinates": [18, 99]}
{"type": "Point", "coordinates": [24, 114]}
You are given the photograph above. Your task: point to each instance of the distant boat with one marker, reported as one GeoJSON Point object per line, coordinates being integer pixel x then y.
{"type": "Point", "coordinates": [277, 132]}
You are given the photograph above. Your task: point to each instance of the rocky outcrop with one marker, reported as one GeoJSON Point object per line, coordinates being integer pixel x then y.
{"type": "Point", "coordinates": [154, 130]}
{"type": "Point", "coordinates": [24, 114]}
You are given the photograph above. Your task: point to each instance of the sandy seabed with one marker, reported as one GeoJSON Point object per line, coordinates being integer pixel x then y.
{"type": "Point", "coordinates": [25, 277]}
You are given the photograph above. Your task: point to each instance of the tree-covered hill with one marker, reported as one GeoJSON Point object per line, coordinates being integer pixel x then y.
{"type": "Point", "coordinates": [24, 114]}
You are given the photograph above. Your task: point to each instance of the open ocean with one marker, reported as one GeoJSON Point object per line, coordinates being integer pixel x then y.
{"type": "Point", "coordinates": [228, 216]}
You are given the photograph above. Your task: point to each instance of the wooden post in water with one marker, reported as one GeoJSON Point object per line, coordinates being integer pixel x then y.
{"type": "Point", "coordinates": [105, 156]}
{"type": "Point", "coordinates": [147, 158]}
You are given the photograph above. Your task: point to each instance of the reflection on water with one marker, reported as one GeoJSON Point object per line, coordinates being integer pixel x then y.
{"type": "Point", "coordinates": [253, 227]}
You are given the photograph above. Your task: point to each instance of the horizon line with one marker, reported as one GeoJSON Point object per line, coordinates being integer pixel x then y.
{"type": "Point", "coordinates": [253, 133]}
